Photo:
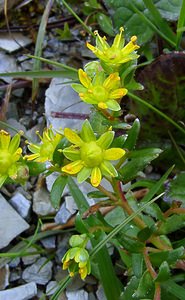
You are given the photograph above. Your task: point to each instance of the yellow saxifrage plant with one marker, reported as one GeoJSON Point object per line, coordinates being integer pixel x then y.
{"type": "Point", "coordinates": [91, 157]}
{"type": "Point", "coordinates": [44, 151]}
{"type": "Point", "coordinates": [101, 91]}
{"type": "Point", "coordinates": [117, 54]}
{"type": "Point", "coordinates": [10, 153]}
{"type": "Point", "coordinates": [77, 258]}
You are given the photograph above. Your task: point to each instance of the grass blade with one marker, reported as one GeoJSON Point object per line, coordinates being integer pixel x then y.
{"type": "Point", "coordinates": [38, 47]}
{"type": "Point", "coordinates": [77, 17]}
{"type": "Point", "coordinates": [159, 21]}
{"type": "Point", "coordinates": [78, 197]}
{"type": "Point", "coordinates": [42, 74]}
{"type": "Point", "coordinates": [180, 24]}
{"type": "Point", "coordinates": [160, 113]}
{"type": "Point", "coordinates": [174, 289]}
{"type": "Point", "coordinates": [54, 63]}
{"type": "Point", "coordinates": [120, 226]}
{"type": "Point", "coordinates": [152, 26]}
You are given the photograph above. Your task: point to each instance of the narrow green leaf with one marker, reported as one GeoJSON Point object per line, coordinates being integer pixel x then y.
{"type": "Point", "coordinates": [35, 168]}
{"type": "Point", "coordinates": [132, 136]}
{"type": "Point", "coordinates": [138, 160]}
{"type": "Point", "coordinates": [120, 226]}
{"type": "Point", "coordinates": [105, 24]}
{"type": "Point", "coordinates": [164, 272]}
{"type": "Point", "coordinates": [158, 20]}
{"type": "Point", "coordinates": [130, 289]}
{"type": "Point", "coordinates": [42, 74]}
{"type": "Point", "coordinates": [146, 286]}
{"type": "Point", "coordinates": [160, 113]}
{"type": "Point", "coordinates": [170, 256]}
{"type": "Point", "coordinates": [108, 278]}
{"type": "Point", "coordinates": [157, 186]}
{"type": "Point", "coordinates": [180, 24]}
{"type": "Point", "coordinates": [151, 25]}
{"type": "Point", "coordinates": [175, 289]}
{"type": "Point", "coordinates": [172, 223]}
{"type": "Point", "coordinates": [78, 196]}
{"type": "Point", "coordinates": [137, 264]}
{"type": "Point", "coordinates": [57, 190]}
{"type": "Point", "coordinates": [39, 44]}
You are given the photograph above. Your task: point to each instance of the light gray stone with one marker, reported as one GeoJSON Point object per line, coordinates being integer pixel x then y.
{"type": "Point", "coordinates": [100, 293]}
{"type": "Point", "coordinates": [22, 292]}
{"type": "Point", "coordinates": [49, 242]}
{"type": "Point", "coordinates": [41, 203]}
{"type": "Point", "coordinates": [21, 205]}
{"type": "Point", "coordinates": [63, 215]}
{"type": "Point", "coordinates": [4, 277]}
{"type": "Point", "coordinates": [61, 97]}
{"type": "Point", "coordinates": [51, 287]}
{"type": "Point", "coordinates": [71, 204]}
{"type": "Point", "coordinates": [77, 295]}
{"type": "Point", "coordinates": [28, 260]}
{"type": "Point", "coordinates": [8, 65]}
{"type": "Point", "coordinates": [15, 275]}
{"type": "Point", "coordinates": [11, 223]}
{"type": "Point", "coordinates": [13, 42]}
{"type": "Point", "coordinates": [14, 262]}
{"type": "Point", "coordinates": [40, 272]}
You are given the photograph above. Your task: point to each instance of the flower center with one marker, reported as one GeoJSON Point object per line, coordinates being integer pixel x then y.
{"type": "Point", "coordinates": [113, 53]}
{"type": "Point", "coordinates": [100, 93]}
{"type": "Point", "coordinates": [46, 150]}
{"type": "Point", "coordinates": [91, 154]}
{"type": "Point", "coordinates": [5, 162]}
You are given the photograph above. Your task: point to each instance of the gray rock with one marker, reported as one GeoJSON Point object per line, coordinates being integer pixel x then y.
{"type": "Point", "coordinates": [14, 262]}
{"type": "Point", "coordinates": [11, 223]}
{"type": "Point", "coordinates": [15, 275]}
{"type": "Point", "coordinates": [49, 242]}
{"type": "Point", "coordinates": [21, 205]}
{"type": "Point", "coordinates": [71, 204]}
{"type": "Point", "coordinates": [28, 260]}
{"type": "Point", "coordinates": [22, 292]}
{"type": "Point", "coordinates": [51, 287]}
{"type": "Point", "coordinates": [8, 65]}
{"type": "Point", "coordinates": [77, 295]}
{"type": "Point", "coordinates": [92, 297]}
{"type": "Point", "coordinates": [40, 272]}
{"type": "Point", "coordinates": [41, 203]}
{"type": "Point", "coordinates": [61, 97]}
{"type": "Point", "coordinates": [13, 42]}
{"type": "Point", "coordinates": [63, 215]}
{"type": "Point", "coordinates": [4, 277]}
{"type": "Point", "coordinates": [15, 124]}
{"type": "Point", "coordinates": [100, 293]}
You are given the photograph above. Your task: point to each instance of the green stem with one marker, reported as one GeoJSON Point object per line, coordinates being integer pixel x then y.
{"type": "Point", "coordinates": [160, 113]}
{"type": "Point", "coordinates": [78, 18]}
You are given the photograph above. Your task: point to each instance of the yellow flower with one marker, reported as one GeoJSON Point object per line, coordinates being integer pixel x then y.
{"type": "Point", "coordinates": [10, 153]}
{"type": "Point", "coordinates": [91, 157]}
{"type": "Point", "coordinates": [44, 151]}
{"type": "Point", "coordinates": [117, 54]}
{"type": "Point", "coordinates": [77, 259]}
{"type": "Point", "coordinates": [101, 91]}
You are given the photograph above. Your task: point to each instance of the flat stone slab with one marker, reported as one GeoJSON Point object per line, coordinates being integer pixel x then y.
{"type": "Point", "coordinates": [23, 292]}
{"type": "Point", "coordinates": [11, 223]}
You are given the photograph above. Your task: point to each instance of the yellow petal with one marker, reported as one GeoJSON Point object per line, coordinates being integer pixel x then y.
{"type": "Point", "coordinates": [91, 47]}
{"type": "Point", "coordinates": [84, 78]}
{"type": "Point", "coordinates": [96, 177]}
{"type": "Point", "coordinates": [4, 139]}
{"type": "Point", "coordinates": [131, 46]}
{"type": "Point", "coordinates": [119, 40]}
{"type": "Point", "coordinates": [117, 94]}
{"type": "Point", "coordinates": [112, 82]}
{"type": "Point", "coordinates": [102, 105]}
{"type": "Point", "coordinates": [73, 168]}
{"type": "Point", "coordinates": [114, 153]}
{"type": "Point", "coordinates": [72, 136]}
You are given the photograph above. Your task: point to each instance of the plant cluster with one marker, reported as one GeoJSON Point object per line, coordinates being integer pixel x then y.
{"type": "Point", "coordinates": [139, 230]}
